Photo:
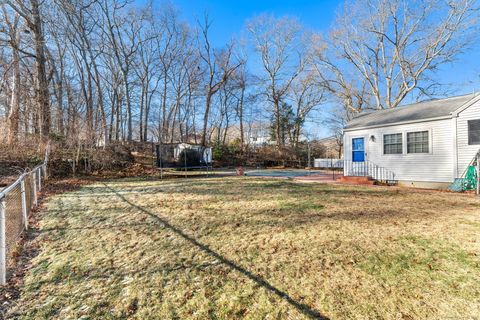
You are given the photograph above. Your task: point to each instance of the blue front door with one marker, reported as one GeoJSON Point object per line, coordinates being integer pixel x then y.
{"type": "Point", "coordinates": [358, 150]}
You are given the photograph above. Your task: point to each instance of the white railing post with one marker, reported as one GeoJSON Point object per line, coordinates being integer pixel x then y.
{"type": "Point", "coordinates": [3, 243]}
{"type": "Point", "coordinates": [24, 204]}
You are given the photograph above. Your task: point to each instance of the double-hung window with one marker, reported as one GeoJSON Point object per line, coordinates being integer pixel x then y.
{"type": "Point", "coordinates": [392, 143]}
{"type": "Point", "coordinates": [417, 142]}
{"type": "Point", "coordinates": [473, 132]}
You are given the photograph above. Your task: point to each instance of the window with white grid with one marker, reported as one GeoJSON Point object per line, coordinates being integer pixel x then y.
{"type": "Point", "coordinates": [392, 143]}
{"type": "Point", "coordinates": [417, 142]}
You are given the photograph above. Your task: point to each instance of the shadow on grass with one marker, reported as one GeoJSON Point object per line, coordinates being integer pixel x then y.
{"type": "Point", "coordinates": [120, 226]}
{"type": "Point", "coordinates": [305, 309]}
{"type": "Point", "coordinates": [287, 188]}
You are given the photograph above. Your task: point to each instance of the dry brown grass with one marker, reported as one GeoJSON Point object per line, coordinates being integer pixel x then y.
{"type": "Point", "coordinates": [249, 248]}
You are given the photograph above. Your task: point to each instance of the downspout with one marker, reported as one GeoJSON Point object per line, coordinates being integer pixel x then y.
{"type": "Point", "coordinates": [345, 159]}
{"type": "Point", "coordinates": [455, 146]}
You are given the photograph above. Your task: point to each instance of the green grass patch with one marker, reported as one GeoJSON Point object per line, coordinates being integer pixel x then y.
{"type": "Point", "coordinates": [253, 248]}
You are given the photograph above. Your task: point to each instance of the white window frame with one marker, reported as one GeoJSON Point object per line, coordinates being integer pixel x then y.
{"type": "Point", "coordinates": [430, 142]}
{"type": "Point", "coordinates": [383, 143]}
{"type": "Point", "coordinates": [405, 142]}
{"type": "Point", "coordinates": [468, 133]}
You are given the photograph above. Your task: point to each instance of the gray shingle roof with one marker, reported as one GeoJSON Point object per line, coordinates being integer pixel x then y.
{"type": "Point", "coordinates": [412, 112]}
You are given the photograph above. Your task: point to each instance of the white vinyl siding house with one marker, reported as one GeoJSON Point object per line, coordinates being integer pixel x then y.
{"type": "Point", "coordinates": [424, 144]}
{"type": "Point", "coordinates": [465, 151]}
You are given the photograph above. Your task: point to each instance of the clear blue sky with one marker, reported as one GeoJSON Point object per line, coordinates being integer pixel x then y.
{"type": "Point", "coordinates": [229, 16]}
{"type": "Point", "coordinates": [229, 19]}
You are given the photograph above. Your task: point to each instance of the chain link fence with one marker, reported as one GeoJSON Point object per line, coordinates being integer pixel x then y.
{"type": "Point", "coordinates": [16, 203]}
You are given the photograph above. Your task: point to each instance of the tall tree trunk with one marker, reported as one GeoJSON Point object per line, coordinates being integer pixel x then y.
{"type": "Point", "coordinates": [70, 112]}
{"type": "Point", "coordinates": [118, 118]}
{"type": "Point", "coordinates": [89, 105]}
{"type": "Point", "coordinates": [148, 99]}
{"type": "Point", "coordinates": [176, 111]}
{"type": "Point", "coordinates": [58, 91]}
{"type": "Point", "coordinates": [205, 118]}
{"type": "Point", "coordinates": [112, 115]}
{"type": "Point", "coordinates": [225, 132]}
{"type": "Point", "coordinates": [129, 105]}
{"type": "Point", "coordinates": [278, 133]}
{"type": "Point", "coordinates": [163, 121]}
{"type": "Point", "coordinates": [60, 115]}
{"type": "Point", "coordinates": [43, 98]}
{"type": "Point", "coordinates": [142, 108]}
{"type": "Point", "coordinates": [240, 118]}
{"type": "Point", "coordinates": [146, 116]}
{"type": "Point", "coordinates": [14, 114]}
{"type": "Point", "coordinates": [98, 85]}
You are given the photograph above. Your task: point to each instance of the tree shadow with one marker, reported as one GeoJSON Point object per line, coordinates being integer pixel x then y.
{"type": "Point", "coordinates": [120, 226]}
{"type": "Point", "coordinates": [305, 309]}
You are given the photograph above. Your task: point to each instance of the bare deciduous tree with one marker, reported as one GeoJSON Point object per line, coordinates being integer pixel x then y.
{"type": "Point", "coordinates": [382, 50]}
{"type": "Point", "coordinates": [219, 67]}
{"type": "Point", "coordinates": [284, 54]}
{"type": "Point", "coordinates": [33, 20]}
{"type": "Point", "coordinates": [13, 39]}
{"type": "Point", "coordinates": [307, 94]}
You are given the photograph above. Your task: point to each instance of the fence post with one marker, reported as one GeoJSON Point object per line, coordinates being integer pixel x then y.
{"type": "Point", "coordinates": [34, 182]}
{"type": "Point", "coordinates": [3, 244]}
{"type": "Point", "coordinates": [45, 160]}
{"type": "Point", "coordinates": [39, 173]}
{"type": "Point", "coordinates": [24, 204]}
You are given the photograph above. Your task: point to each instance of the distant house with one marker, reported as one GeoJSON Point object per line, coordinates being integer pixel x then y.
{"type": "Point", "coordinates": [426, 144]}
{"type": "Point", "coordinates": [260, 140]}
{"type": "Point", "coordinates": [259, 135]}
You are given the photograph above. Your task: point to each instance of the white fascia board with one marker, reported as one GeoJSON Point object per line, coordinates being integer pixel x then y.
{"type": "Point", "coordinates": [398, 123]}
{"type": "Point", "coordinates": [466, 105]}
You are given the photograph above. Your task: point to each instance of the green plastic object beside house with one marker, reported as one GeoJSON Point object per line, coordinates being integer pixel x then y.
{"type": "Point", "coordinates": [471, 179]}
{"type": "Point", "coordinates": [467, 183]}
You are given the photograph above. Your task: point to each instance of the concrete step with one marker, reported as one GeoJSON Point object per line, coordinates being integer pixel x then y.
{"type": "Point", "coordinates": [357, 180]}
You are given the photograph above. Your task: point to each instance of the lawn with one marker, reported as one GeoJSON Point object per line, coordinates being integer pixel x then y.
{"type": "Point", "coordinates": [248, 248]}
